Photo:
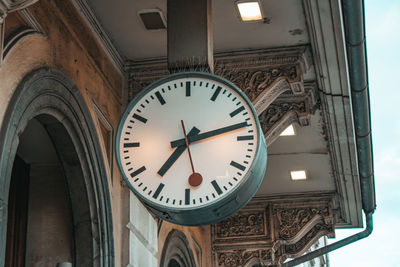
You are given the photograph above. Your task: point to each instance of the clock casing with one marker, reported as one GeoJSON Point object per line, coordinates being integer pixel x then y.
{"type": "Point", "coordinates": [225, 139]}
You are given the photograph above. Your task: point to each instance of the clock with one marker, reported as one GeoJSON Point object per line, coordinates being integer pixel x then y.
{"type": "Point", "coordinates": [190, 146]}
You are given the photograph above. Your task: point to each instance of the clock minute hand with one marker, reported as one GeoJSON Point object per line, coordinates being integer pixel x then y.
{"type": "Point", "coordinates": [175, 155]}
{"type": "Point", "coordinates": [197, 137]}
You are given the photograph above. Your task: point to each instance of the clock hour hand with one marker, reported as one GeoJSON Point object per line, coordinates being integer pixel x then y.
{"type": "Point", "coordinates": [175, 155]}
{"type": "Point", "coordinates": [197, 137]}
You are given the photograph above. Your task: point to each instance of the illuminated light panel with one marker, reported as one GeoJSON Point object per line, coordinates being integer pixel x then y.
{"type": "Point", "coordinates": [298, 175]}
{"type": "Point", "coordinates": [289, 131]}
{"type": "Point", "coordinates": [249, 11]}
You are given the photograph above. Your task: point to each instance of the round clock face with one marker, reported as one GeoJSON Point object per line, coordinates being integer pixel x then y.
{"type": "Point", "coordinates": [202, 111]}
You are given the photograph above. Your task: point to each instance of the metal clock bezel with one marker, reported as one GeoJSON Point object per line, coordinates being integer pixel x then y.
{"type": "Point", "coordinates": [187, 215]}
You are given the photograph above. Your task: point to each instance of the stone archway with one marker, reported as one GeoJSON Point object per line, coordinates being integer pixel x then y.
{"type": "Point", "coordinates": [177, 251]}
{"type": "Point", "coordinates": [52, 98]}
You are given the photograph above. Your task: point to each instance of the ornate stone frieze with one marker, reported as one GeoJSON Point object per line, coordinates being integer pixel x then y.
{"type": "Point", "coordinates": [8, 6]}
{"type": "Point", "coordinates": [255, 81]}
{"type": "Point", "coordinates": [272, 79]}
{"type": "Point", "coordinates": [288, 109]}
{"type": "Point", "coordinates": [241, 257]}
{"type": "Point", "coordinates": [247, 224]}
{"type": "Point", "coordinates": [292, 220]}
{"type": "Point", "coordinates": [290, 226]}
{"type": "Point", "coordinates": [253, 72]}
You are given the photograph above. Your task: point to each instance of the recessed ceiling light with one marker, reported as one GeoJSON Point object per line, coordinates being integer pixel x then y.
{"type": "Point", "coordinates": [249, 10]}
{"type": "Point", "coordinates": [298, 175]}
{"type": "Point", "coordinates": [289, 131]}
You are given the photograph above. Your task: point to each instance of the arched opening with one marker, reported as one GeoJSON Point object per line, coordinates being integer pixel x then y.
{"type": "Point", "coordinates": [68, 211]}
{"type": "Point", "coordinates": [39, 223]}
{"type": "Point", "coordinates": [174, 263]}
{"type": "Point", "coordinates": [176, 251]}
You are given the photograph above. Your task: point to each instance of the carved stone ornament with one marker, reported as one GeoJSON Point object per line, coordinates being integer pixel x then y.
{"type": "Point", "coordinates": [249, 224]}
{"type": "Point", "coordinates": [291, 226]}
{"type": "Point", "coordinates": [8, 6]}
{"type": "Point", "coordinates": [241, 257]}
{"type": "Point", "coordinates": [272, 79]}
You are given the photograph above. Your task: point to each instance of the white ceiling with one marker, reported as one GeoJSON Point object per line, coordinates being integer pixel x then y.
{"type": "Point", "coordinates": [120, 20]}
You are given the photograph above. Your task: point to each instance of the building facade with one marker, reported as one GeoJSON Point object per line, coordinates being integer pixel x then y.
{"type": "Point", "coordinates": [66, 76]}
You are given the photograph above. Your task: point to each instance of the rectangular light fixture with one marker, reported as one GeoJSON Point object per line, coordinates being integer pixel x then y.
{"type": "Point", "coordinates": [249, 10]}
{"type": "Point", "coordinates": [298, 175]}
{"type": "Point", "coordinates": [289, 131]}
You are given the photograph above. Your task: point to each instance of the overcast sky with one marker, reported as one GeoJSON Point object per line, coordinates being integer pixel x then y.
{"type": "Point", "coordinates": [382, 247]}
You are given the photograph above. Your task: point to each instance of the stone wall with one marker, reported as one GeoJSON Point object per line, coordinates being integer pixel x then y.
{"type": "Point", "coordinates": [65, 42]}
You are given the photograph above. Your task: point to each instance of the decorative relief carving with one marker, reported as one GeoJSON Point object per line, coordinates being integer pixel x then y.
{"type": "Point", "coordinates": [308, 239]}
{"type": "Point", "coordinates": [239, 257]}
{"type": "Point", "coordinates": [292, 223]}
{"type": "Point", "coordinates": [271, 79]}
{"type": "Point", "coordinates": [292, 220]}
{"type": "Point", "coordinates": [242, 224]}
{"type": "Point", "coordinates": [278, 109]}
{"type": "Point", "coordinates": [252, 71]}
{"type": "Point", "coordinates": [254, 82]}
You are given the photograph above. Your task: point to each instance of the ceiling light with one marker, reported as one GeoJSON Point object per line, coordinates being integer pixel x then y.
{"type": "Point", "coordinates": [298, 175]}
{"type": "Point", "coordinates": [289, 131]}
{"type": "Point", "coordinates": [249, 10]}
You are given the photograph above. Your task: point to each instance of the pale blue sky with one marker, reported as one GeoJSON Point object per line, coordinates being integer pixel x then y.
{"type": "Point", "coordinates": [382, 247]}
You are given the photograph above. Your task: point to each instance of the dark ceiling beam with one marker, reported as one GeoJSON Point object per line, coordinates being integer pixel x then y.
{"type": "Point", "coordinates": [190, 44]}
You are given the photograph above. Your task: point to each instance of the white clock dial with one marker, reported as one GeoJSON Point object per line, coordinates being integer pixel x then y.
{"type": "Point", "coordinates": [222, 133]}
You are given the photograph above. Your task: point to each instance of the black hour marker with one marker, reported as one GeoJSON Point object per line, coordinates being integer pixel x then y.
{"type": "Point", "coordinates": [188, 90]}
{"type": "Point", "coordinates": [160, 98]}
{"type": "Point", "coordinates": [139, 118]}
{"type": "Point", "coordinates": [158, 190]}
{"type": "Point", "coordinates": [216, 93]}
{"type": "Point", "coordinates": [187, 196]}
{"type": "Point", "coordinates": [237, 165]}
{"type": "Point", "coordinates": [138, 171]}
{"type": "Point", "coordinates": [135, 144]}
{"type": "Point", "coordinates": [245, 137]}
{"type": "Point", "coordinates": [236, 111]}
{"type": "Point", "coordinates": [216, 187]}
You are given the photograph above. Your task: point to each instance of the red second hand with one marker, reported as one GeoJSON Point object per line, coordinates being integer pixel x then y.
{"type": "Point", "coordinates": [195, 178]}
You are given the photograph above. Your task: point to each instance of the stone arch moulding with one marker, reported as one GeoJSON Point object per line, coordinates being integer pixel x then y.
{"type": "Point", "coordinates": [52, 98]}
{"type": "Point", "coordinates": [176, 251]}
